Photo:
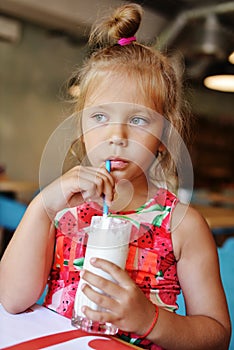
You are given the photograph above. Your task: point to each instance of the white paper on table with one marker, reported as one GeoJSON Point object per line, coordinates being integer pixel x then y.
{"type": "Point", "coordinates": [40, 322]}
{"type": "Point", "coordinates": [28, 325]}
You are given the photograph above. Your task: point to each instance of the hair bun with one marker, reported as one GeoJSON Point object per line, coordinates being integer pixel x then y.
{"type": "Point", "coordinates": [123, 23]}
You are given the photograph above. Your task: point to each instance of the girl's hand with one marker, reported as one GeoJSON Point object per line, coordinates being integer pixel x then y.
{"type": "Point", "coordinates": [68, 190]}
{"type": "Point", "coordinates": [128, 308]}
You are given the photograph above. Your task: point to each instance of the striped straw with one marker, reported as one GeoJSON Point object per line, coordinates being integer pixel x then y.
{"type": "Point", "coordinates": [105, 206]}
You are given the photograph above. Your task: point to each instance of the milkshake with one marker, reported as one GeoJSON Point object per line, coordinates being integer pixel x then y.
{"type": "Point", "coordinates": [108, 239]}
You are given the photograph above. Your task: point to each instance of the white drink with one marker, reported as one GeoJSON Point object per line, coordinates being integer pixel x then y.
{"type": "Point", "coordinates": [107, 240]}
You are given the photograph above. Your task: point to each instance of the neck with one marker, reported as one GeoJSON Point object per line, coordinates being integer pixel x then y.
{"type": "Point", "coordinates": [130, 197]}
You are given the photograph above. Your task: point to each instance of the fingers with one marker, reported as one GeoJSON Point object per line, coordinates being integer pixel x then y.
{"type": "Point", "coordinates": [104, 301]}
{"type": "Point", "coordinates": [93, 183]}
{"type": "Point", "coordinates": [97, 290]}
{"type": "Point", "coordinates": [119, 276]}
{"type": "Point", "coordinates": [100, 316]}
{"type": "Point", "coordinates": [108, 287]}
{"type": "Point", "coordinates": [121, 303]}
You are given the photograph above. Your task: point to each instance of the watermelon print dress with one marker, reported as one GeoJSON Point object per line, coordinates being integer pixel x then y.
{"type": "Point", "coordinates": [151, 262]}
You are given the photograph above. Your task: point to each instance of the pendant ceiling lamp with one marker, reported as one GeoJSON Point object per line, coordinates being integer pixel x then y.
{"type": "Point", "coordinates": [231, 58]}
{"type": "Point", "coordinates": [220, 77]}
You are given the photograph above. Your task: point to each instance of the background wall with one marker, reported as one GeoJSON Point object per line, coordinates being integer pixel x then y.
{"type": "Point", "coordinates": [32, 75]}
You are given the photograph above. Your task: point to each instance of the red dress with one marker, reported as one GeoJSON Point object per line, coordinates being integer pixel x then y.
{"type": "Point", "coordinates": [151, 262]}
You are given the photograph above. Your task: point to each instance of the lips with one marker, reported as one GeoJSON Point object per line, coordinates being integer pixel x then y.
{"type": "Point", "coordinates": [118, 164]}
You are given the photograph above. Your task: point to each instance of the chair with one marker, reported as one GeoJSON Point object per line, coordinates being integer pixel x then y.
{"type": "Point", "coordinates": [40, 301]}
{"type": "Point", "coordinates": [11, 212]}
{"type": "Point", "coordinates": [180, 301]}
{"type": "Point", "coordinates": [226, 259]}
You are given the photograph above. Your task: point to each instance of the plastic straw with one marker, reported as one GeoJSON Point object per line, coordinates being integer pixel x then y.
{"type": "Point", "coordinates": [105, 206]}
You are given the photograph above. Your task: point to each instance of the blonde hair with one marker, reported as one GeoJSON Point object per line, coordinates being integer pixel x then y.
{"type": "Point", "coordinates": [158, 80]}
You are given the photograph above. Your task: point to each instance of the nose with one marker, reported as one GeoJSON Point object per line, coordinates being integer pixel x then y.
{"type": "Point", "coordinates": [117, 141]}
{"type": "Point", "coordinates": [118, 135]}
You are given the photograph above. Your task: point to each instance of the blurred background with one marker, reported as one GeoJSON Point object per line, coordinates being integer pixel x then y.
{"type": "Point", "coordinates": [42, 42]}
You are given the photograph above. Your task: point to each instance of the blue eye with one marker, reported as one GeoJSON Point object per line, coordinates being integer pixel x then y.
{"type": "Point", "coordinates": [100, 118]}
{"type": "Point", "coordinates": [138, 121]}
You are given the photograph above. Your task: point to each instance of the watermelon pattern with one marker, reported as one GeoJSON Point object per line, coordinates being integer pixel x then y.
{"type": "Point", "coordinates": [151, 262]}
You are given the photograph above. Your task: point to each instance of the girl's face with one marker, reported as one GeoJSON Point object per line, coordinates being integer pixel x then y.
{"type": "Point", "coordinates": [119, 125]}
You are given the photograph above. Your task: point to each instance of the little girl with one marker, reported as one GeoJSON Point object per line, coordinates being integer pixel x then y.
{"type": "Point", "coordinates": [129, 104]}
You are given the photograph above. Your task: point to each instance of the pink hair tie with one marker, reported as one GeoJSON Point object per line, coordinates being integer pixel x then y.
{"type": "Point", "coordinates": [126, 41]}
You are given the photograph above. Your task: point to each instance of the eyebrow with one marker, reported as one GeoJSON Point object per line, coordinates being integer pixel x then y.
{"type": "Point", "coordinates": [135, 108]}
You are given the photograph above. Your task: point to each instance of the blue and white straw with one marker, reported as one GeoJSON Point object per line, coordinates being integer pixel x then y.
{"type": "Point", "coordinates": [105, 206]}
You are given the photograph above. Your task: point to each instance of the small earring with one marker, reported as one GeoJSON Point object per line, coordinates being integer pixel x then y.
{"type": "Point", "coordinates": [160, 154]}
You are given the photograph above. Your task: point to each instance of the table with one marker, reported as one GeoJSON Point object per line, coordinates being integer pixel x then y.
{"type": "Point", "coordinates": [217, 217]}
{"type": "Point", "coordinates": [22, 190]}
{"type": "Point", "coordinates": [17, 186]}
{"type": "Point", "coordinates": [220, 221]}
{"type": "Point", "coordinates": [41, 328]}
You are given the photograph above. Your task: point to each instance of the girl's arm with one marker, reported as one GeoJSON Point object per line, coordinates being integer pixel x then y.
{"type": "Point", "coordinates": [26, 263]}
{"type": "Point", "coordinates": [207, 324]}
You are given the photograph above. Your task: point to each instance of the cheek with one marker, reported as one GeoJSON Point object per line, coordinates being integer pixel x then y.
{"type": "Point", "coordinates": [94, 146]}
{"type": "Point", "coordinates": [150, 144]}
{"type": "Point", "coordinates": [92, 139]}
{"type": "Point", "coordinates": [88, 141]}
{"type": "Point", "coordinates": [144, 152]}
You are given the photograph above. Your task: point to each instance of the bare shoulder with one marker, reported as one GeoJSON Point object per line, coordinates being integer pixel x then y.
{"type": "Point", "coordinates": [197, 265]}
{"type": "Point", "coordinates": [184, 216]}
{"type": "Point", "coordinates": [189, 230]}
